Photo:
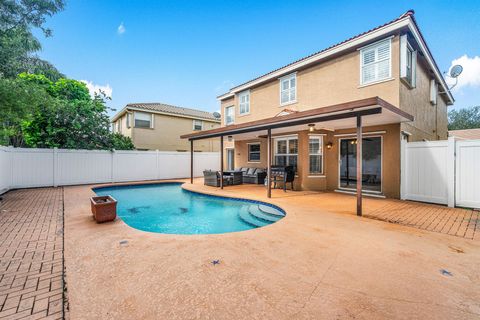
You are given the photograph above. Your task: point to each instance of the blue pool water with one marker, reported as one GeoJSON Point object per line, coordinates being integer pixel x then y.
{"type": "Point", "coordinates": [167, 208]}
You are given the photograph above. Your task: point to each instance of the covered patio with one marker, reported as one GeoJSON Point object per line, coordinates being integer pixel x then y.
{"type": "Point", "coordinates": [360, 114]}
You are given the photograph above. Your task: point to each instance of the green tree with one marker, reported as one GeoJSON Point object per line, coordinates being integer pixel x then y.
{"type": "Point", "coordinates": [71, 119]}
{"type": "Point", "coordinates": [466, 118]}
{"type": "Point", "coordinates": [17, 43]}
{"type": "Point", "coordinates": [17, 100]}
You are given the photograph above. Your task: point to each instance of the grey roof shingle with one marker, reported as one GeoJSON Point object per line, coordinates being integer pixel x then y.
{"type": "Point", "coordinates": [166, 108]}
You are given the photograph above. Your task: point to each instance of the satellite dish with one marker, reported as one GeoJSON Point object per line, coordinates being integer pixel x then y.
{"type": "Point", "coordinates": [456, 70]}
{"type": "Point", "coordinates": [217, 115]}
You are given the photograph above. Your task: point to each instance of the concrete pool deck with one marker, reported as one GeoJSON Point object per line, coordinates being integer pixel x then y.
{"type": "Point", "coordinates": [320, 262]}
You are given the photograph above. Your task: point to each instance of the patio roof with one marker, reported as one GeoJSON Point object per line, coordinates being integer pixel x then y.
{"type": "Point", "coordinates": [374, 111]}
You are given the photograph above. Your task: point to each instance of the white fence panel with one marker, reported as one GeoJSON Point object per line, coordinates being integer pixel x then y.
{"type": "Point", "coordinates": [134, 165]}
{"type": "Point", "coordinates": [427, 165]}
{"type": "Point", "coordinates": [25, 168]}
{"type": "Point", "coordinates": [468, 174]}
{"type": "Point", "coordinates": [31, 167]}
{"type": "Point", "coordinates": [5, 174]}
{"type": "Point", "coordinates": [83, 166]}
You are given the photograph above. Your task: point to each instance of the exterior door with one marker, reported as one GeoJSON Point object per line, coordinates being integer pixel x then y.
{"type": "Point", "coordinates": [371, 164]}
{"type": "Point", "coordinates": [230, 159]}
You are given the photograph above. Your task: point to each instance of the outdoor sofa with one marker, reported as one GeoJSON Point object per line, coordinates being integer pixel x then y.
{"type": "Point", "coordinates": [253, 175]}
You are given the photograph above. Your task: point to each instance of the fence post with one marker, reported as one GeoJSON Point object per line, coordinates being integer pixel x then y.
{"type": "Point", "coordinates": [55, 167]}
{"type": "Point", "coordinates": [403, 166]}
{"type": "Point", "coordinates": [451, 154]}
{"type": "Point", "coordinates": [157, 174]}
{"type": "Point", "coordinates": [11, 151]}
{"type": "Point", "coordinates": [112, 164]}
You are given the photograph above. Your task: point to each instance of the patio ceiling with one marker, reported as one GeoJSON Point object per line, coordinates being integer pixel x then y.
{"type": "Point", "coordinates": [374, 111]}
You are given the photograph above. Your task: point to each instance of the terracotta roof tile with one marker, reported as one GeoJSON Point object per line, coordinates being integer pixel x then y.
{"type": "Point", "coordinates": [166, 108]}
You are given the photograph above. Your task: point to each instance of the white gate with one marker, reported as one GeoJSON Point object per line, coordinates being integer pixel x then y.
{"type": "Point", "coordinates": [426, 171]}
{"type": "Point", "coordinates": [444, 172]}
{"type": "Point", "coordinates": [468, 174]}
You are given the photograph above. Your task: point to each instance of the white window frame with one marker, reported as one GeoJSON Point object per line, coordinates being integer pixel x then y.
{"type": "Point", "coordinates": [119, 125]}
{"type": "Point", "coordinates": [288, 78]}
{"type": "Point", "coordinates": [433, 91]}
{"type": "Point", "coordinates": [244, 107]}
{"type": "Point", "coordinates": [140, 112]}
{"type": "Point", "coordinates": [320, 153]}
{"type": "Point", "coordinates": [113, 126]}
{"type": "Point", "coordinates": [288, 154]}
{"type": "Point", "coordinates": [259, 152]}
{"type": "Point", "coordinates": [406, 50]}
{"type": "Point", "coordinates": [375, 46]}
{"type": "Point", "coordinates": [226, 115]}
{"type": "Point", "coordinates": [195, 121]}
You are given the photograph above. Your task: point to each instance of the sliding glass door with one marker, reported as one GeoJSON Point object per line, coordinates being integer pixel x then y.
{"type": "Point", "coordinates": [371, 164]}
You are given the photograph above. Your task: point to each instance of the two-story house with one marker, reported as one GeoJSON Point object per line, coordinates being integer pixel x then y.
{"type": "Point", "coordinates": [383, 82]}
{"type": "Point", "coordinates": [158, 126]}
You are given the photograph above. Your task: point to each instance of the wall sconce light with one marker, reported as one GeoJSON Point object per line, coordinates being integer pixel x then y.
{"type": "Point", "coordinates": [229, 138]}
{"type": "Point", "coordinates": [311, 127]}
{"type": "Point", "coordinates": [329, 145]}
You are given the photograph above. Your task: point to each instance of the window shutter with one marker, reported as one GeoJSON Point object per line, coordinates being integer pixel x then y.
{"type": "Point", "coordinates": [403, 56]}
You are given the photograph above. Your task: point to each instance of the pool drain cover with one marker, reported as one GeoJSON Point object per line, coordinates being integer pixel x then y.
{"type": "Point", "coordinates": [183, 210]}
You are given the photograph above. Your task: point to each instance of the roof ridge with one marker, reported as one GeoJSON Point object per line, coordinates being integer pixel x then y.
{"type": "Point", "coordinates": [168, 105]}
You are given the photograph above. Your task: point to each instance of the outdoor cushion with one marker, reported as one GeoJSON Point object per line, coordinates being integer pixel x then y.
{"type": "Point", "coordinates": [251, 171]}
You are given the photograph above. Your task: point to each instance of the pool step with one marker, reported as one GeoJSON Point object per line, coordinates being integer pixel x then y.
{"type": "Point", "coordinates": [245, 215]}
{"type": "Point", "coordinates": [270, 210]}
{"type": "Point", "coordinates": [255, 211]}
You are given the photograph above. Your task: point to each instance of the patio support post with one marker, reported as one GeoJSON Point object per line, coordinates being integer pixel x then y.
{"type": "Point", "coordinates": [359, 165]}
{"type": "Point", "coordinates": [191, 161]}
{"type": "Point", "coordinates": [221, 162]}
{"type": "Point", "coordinates": [269, 163]}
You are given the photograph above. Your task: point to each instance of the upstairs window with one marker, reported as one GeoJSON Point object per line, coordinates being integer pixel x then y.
{"type": "Point", "coordinates": [119, 125]}
{"type": "Point", "coordinates": [244, 104]}
{"type": "Point", "coordinates": [197, 125]}
{"type": "Point", "coordinates": [408, 62]}
{"type": "Point", "coordinates": [128, 120]}
{"type": "Point", "coordinates": [229, 115]}
{"type": "Point", "coordinates": [288, 89]}
{"type": "Point", "coordinates": [254, 152]}
{"type": "Point", "coordinates": [143, 120]}
{"type": "Point", "coordinates": [113, 127]}
{"type": "Point", "coordinates": [375, 62]}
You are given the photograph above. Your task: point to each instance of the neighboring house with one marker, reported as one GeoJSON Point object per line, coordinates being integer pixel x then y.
{"type": "Point", "coordinates": [157, 126]}
{"type": "Point", "coordinates": [466, 134]}
{"type": "Point", "coordinates": [388, 70]}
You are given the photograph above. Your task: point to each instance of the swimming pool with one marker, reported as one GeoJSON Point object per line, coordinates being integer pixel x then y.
{"type": "Point", "coordinates": [168, 208]}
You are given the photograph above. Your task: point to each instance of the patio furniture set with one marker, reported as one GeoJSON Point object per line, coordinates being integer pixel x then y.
{"type": "Point", "coordinates": [279, 175]}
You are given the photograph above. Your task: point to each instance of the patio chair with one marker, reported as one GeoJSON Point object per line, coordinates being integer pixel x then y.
{"type": "Point", "coordinates": [212, 179]}
{"type": "Point", "coordinates": [284, 175]}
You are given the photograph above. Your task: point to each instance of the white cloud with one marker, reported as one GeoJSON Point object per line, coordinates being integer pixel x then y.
{"type": "Point", "coordinates": [121, 29]}
{"type": "Point", "coordinates": [470, 76]}
{"type": "Point", "coordinates": [95, 88]}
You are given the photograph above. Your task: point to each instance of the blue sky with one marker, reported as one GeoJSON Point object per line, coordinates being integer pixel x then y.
{"type": "Point", "coordinates": [188, 52]}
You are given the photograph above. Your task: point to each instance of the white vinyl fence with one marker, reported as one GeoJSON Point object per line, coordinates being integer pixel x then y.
{"type": "Point", "coordinates": [444, 172]}
{"type": "Point", "coordinates": [25, 168]}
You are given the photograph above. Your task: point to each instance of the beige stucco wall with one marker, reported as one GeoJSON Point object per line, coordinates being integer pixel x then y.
{"type": "Point", "coordinates": [329, 179]}
{"type": "Point", "coordinates": [165, 136]}
{"type": "Point", "coordinates": [332, 82]}
{"type": "Point", "coordinates": [430, 120]}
